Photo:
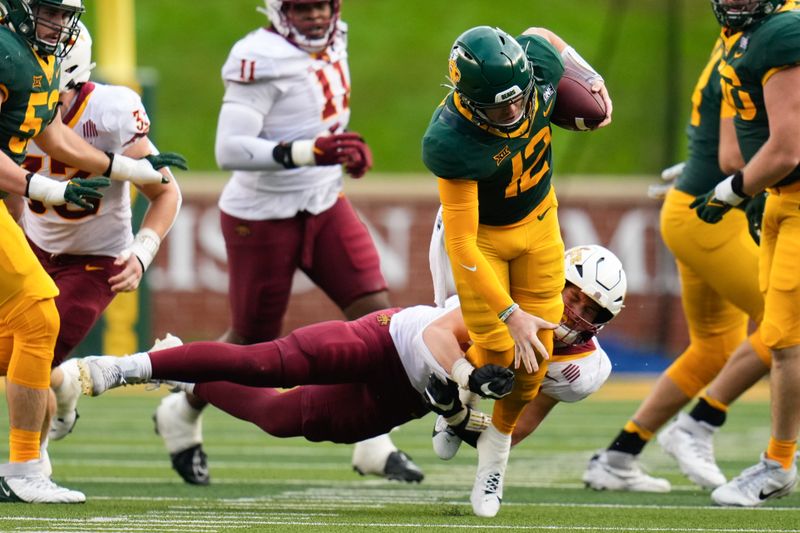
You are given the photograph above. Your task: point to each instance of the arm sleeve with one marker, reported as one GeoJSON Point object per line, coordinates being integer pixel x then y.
{"type": "Point", "coordinates": [238, 145]}
{"type": "Point", "coordinates": [460, 215]}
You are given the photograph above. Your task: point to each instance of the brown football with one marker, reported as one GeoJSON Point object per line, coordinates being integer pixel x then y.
{"type": "Point", "coordinates": [577, 108]}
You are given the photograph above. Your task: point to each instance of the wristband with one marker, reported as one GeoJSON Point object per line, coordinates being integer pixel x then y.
{"type": "Point", "coordinates": [110, 155]}
{"type": "Point", "coordinates": [145, 246]}
{"type": "Point", "coordinates": [282, 153]}
{"type": "Point", "coordinates": [726, 190]}
{"type": "Point", "coordinates": [503, 316]}
{"type": "Point", "coordinates": [460, 372]}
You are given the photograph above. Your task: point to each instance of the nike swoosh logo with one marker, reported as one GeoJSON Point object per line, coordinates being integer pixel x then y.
{"type": "Point", "coordinates": [90, 268]}
{"type": "Point", "coordinates": [737, 55]}
{"type": "Point", "coordinates": [6, 490]}
{"type": "Point", "coordinates": [540, 217]}
{"type": "Point", "coordinates": [549, 107]}
{"type": "Point", "coordinates": [473, 268]}
{"type": "Point", "coordinates": [764, 495]}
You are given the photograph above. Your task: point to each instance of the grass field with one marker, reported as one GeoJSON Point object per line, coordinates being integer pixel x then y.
{"type": "Point", "coordinates": [260, 483]}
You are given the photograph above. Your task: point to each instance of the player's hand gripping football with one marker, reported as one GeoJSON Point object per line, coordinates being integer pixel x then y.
{"type": "Point", "coordinates": [75, 191]}
{"type": "Point", "coordinates": [523, 328]}
{"type": "Point", "coordinates": [145, 170]}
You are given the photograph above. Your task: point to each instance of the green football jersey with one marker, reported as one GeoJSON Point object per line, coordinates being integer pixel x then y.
{"type": "Point", "coordinates": [702, 172]}
{"type": "Point", "coordinates": [29, 92]}
{"type": "Point", "coordinates": [750, 58]}
{"type": "Point", "coordinates": [512, 170]}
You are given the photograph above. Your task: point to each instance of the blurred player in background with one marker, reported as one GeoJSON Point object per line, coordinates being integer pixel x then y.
{"type": "Point", "coordinates": [92, 253]}
{"type": "Point", "coordinates": [489, 145]}
{"type": "Point", "coordinates": [760, 74]}
{"type": "Point", "coordinates": [718, 269]}
{"type": "Point", "coordinates": [34, 35]}
{"type": "Point", "coordinates": [282, 130]}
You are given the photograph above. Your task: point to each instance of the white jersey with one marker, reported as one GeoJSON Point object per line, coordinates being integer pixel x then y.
{"type": "Point", "coordinates": [300, 96]}
{"type": "Point", "coordinates": [406, 330]}
{"type": "Point", "coordinates": [110, 118]}
{"type": "Point", "coordinates": [573, 378]}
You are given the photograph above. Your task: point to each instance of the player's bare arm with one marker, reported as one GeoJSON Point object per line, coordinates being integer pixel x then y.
{"type": "Point", "coordinates": [165, 202]}
{"type": "Point", "coordinates": [63, 144]}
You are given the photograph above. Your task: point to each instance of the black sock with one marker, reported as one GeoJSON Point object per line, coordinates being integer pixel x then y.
{"type": "Point", "coordinates": [705, 412]}
{"type": "Point", "coordinates": [628, 442]}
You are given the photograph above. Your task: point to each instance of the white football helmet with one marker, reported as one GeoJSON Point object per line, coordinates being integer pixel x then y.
{"type": "Point", "coordinates": [598, 273]}
{"type": "Point", "coordinates": [276, 12]}
{"type": "Point", "coordinates": [77, 65]}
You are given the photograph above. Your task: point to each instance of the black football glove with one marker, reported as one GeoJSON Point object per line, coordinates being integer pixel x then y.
{"type": "Point", "coordinates": [491, 381]}
{"type": "Point", "coordinates": [442, 397]}
{"type": "Point", "coordinates": [754, 211]}
{"type": "Point", "coordinates": [713, 205]}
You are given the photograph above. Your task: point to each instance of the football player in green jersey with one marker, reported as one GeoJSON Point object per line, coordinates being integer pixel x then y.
{"type": "Point", "coordinates": [718, 269]}
{"type": "Point", "coordinates": [34, 35]}
{"type": "Point", "coordinates": [760, 72]}
{"type": "Point", "coordinates": [489, 145]}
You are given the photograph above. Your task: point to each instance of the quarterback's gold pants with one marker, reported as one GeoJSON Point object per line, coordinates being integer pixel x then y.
{"type": "Point", "coordinates": [528, 258]}
{"type": "Point", "coordinates": [718, 269]}
{"type": "Point", "coordinates": [779, 278]}
{"type": "Point", "coordinates": [29, 320]}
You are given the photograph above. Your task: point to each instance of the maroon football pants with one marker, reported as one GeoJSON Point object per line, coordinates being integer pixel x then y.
{"type": "Point", "coordinates": [334, 249]}
{"type": "Point", "coordinates": [350, 382]}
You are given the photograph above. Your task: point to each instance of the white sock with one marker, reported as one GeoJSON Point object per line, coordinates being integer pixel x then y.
{"type": "Point", "coordinates": [136, 366]}
{"type": "Point", "coordinates": [186, 410]}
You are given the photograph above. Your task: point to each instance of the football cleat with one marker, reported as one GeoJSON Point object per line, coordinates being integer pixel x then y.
{"type": "Point", "coordinates": [487, 493]}
{"type": "Point", "coordinates": [66, 401]}
{"type": "Point", "coordinates": [400, 467]}
{"type": "Point", "coordinates": [397, 465]}
{"type": "Point", "coordinates": [613, 470]}
{"type": "Point", "coordinates": [99, 373]}
{"type": "Point", "coordinates": [169, 341]}
{"type": "Point", "coordinates": [181, 428]}
{"type": "Point", "coordinates": [445, 441]}
{"type": "Point", "coordinates": [26, 483]}
{"type": "Point", "coordinates": [691, 443]}
{"type": "Point", "coordinates": [764, 481]}
{"type": "Point", "coordinates": [192, 465]}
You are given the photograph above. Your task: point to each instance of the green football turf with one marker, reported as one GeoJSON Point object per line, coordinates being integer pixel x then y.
{"type": "Point", "coordinates": [260, 483]}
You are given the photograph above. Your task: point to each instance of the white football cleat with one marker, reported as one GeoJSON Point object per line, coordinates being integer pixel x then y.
{"type": "Point", "coordinates": [613, 470]}
{"type": "Point", "coordinates": [445, 441]}
{"type": "Point", "coordinates": [67, 397]}
{"type": "Point", "coordinates": [487, 491]}
{"type": "Point", "coordinates": [99, 373]}
{"type": "Point", "coordinates": [181, 427]}
{"type": "Point", "coordinates": [691, 443]}
{"type": "Point", "coordinates": [25, 482]}
{"type": "Point", "coordinates": [169, 341]}
{"type": "Point", "coordinates": [764, 481]}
